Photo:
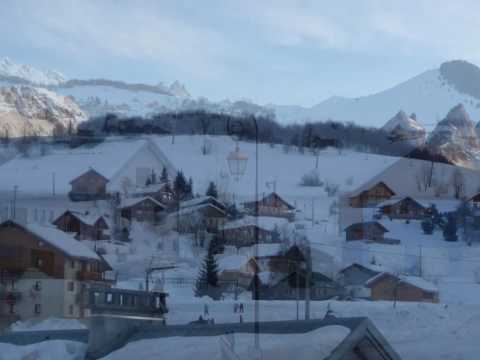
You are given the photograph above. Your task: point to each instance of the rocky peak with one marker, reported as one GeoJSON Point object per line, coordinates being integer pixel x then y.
{"type": "Point", "coordinates": [455, 137]}
{"type": "Point", "coordinates": [31, 110]}
{"type": "Point", "coordinates": [178, 89]}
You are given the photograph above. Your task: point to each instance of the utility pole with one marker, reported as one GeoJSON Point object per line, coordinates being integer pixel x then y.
{"type": "Point", "coordinates": [307, 281]}
{"type": "Point", "coordinates": [313, 212]}
{"type": "Point", "coordinates": [53, 184]}
{"type": "Point", "coordinates": [420, 262]}
{"type": "Point", "coordinates": [14, 210]}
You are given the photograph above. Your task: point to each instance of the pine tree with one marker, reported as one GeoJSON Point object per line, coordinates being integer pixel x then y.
{"type": "Point", "coordinates": [189, 188]}
{"type": "Point", "coordinates": [180, 185]}
{"type": "Point", "coordinates": [164, 176]}
{"type": "Point", "coordinates": [450, 229]}
{"type": "Point", "coordinates": [207, 281]}
{"type": "Point", "coordinates": [427, 226]}
{"type": "Point", "coordinates": [153, 177]}
{"type": "Point", "coordinates": [212, 190]}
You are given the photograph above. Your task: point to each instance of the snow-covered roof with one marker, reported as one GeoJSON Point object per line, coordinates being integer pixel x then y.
{"type": "Point", "coordinates": [231, 262]}
{"type": "Point", "coordinates": [419, 282]}
{"type": "Point", "coordinates": [409, 279]}
{"type": "Point", "coordinates": [127, 202]}
{"type": "Point", "coordinates": [86, 218]}
{"type": "Point", "coordinates": [402, 177]}
{"type": "Point", "coordinates": [58, 239]}
{"type": "Point", "coordinates": [267, 223]}
{"type": "Point", "coordinates": [36, 175]}
{"type": "Point", "coordinates": [200, 200]}
{"type": "Point", "coordinates": [442, 205]}
{"type": "Point", "coordinates": [193, 209]}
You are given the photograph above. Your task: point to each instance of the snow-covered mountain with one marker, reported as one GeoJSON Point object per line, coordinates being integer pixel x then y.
{"type": "Point", "coordinates": [455, 137]}
{"type": "Point", "coordinates": [429, 95]}
{"type": "Point", "coordinates": [31, 110]}
{"type": "Point", "coordinates": [26, 74]}
{"type": "Point", "coordinates": [405, 128]}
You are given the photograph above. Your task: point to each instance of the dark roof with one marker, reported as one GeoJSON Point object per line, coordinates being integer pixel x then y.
{"type": "Point", "coordinates": [90, 171]}
{"type": "Point", "coordinates": [366, 224]}
{"type": "Point", "coordinates": [272, 194]}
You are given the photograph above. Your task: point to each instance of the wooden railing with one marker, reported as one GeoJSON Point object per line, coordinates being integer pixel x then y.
{"type": "Point", "coordinates": [89, 276]}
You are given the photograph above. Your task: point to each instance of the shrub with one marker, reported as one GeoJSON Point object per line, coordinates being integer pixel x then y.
{"type": "Point", "coordinates": [311, 179]}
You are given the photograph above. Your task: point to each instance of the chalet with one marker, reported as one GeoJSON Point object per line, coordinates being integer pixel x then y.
{"type": "Point", "coordinates": [160, 192]}
{"type": "Point", "coordinates": [271, 205]}
{"type": "Point", "coordinates": [242, 232]}
{"type": "Point", "coordinates": [86, 172]}
{"type": "Point", "coordinates": [406, 208]}
{"type": "Point", "coordinates": [45, 272]}
{"type": "Point", "coordinates": [235, 269]}
{"type": "Point", "coordinates": [291, 286]}
{"type": "Point", "coordinates": [91, 185]}
{"type": "Point", "coordinates": [141, 209]}
{"type": "Point", "coordinates": [193, 216]}
{"type": "Point", "coordinates": [387, 286]}
{"type": "Point", "coordinates": [372, 196]}
{"type": "Point", "coordinates": [85, 226]}
{"type": "Point", "coordinates": [203, 200]}
{"type": "Point", "coordinates": [371, 230]}
{"type": "Point", "coordinates": [354, 277]}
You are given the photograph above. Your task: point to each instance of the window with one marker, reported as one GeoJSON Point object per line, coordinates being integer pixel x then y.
{"type": "Point", "coordinates": [70, 309]}
{"type": "Point", "coordinates": [72, 264]}
{"type": "Point", "coordinates": [38, 286]}
{"type": "Point", "coordinates": [71, 286]}
{"type": "Point", "coordinates": [39, 262]}
{"type": "Point", "coordinates": [109, 298]}
{"type": "Point", "coordinates": [37, 309]}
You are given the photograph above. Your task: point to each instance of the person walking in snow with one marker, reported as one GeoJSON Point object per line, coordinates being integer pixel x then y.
{"type": "Point", "coordinates": [241, 308]}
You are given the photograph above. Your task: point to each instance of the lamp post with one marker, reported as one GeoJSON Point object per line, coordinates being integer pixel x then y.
{"type": "Point", "coordinates": [237, 164]}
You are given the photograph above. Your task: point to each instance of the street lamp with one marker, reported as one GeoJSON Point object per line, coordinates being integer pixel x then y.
{"type": "Point", "coordinates": [237, 163]}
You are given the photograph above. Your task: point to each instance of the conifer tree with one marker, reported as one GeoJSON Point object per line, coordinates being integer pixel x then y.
{"type": "Point", "coordinates": [207, 281]}
{"type": "Point", "coordinates": [427, 226]}
{"type": "Point", "coordinates": [180, 185]}
{"type": "Point", "coordinates": [164, 176]}
{"type": "Point", "coordinates": [212, 190]}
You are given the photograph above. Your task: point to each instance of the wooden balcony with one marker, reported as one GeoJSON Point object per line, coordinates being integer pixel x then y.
{"type": "Point", "coordinates": [89, 276]}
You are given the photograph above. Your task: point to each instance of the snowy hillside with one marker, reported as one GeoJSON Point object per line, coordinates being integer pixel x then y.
{"type": "Point", "coordinates": [430, 95]}
{"type": "Point", "coordinates": [31, 110]}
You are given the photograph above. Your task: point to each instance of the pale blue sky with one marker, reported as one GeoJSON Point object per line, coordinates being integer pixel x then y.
{"type": "Point", "coordinates": [284, 52]}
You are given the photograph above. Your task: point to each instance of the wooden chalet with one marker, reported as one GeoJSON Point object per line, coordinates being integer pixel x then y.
{"type": "Point", "coordinates": [202, 213]}
{"type": "Point", "coordinates": [292, 285]}
{"type": "Point", "coordinates": [386, 286]}
{"type": "Point", "coordinates": [354, 278]}
{"type": "Point", "coordinates": [85, 226]}
{"type": "Point", "coordinates": [91, 185]}
{"type": "Point", "coordinates": [372, 197]}
{"type": "Point", "coordinates": [141, 209]}
{"type": "Point", "coordinates": [370, 230]}
{"type": "Point", "coordinates": [241, 233]}
{"type": "Point", "coordinates": [45, 272]}
{"type": "Point", "coordinates": [406, 208]}
{"type": "Point", "coordinates": [271, 205]}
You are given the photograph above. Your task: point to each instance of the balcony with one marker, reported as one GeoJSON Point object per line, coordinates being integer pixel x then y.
{"type": "Point", "coordinates": [89, 276]}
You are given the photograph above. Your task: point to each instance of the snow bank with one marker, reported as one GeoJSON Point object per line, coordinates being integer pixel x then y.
{"type": "Point", "coordinates": [48, 350]}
